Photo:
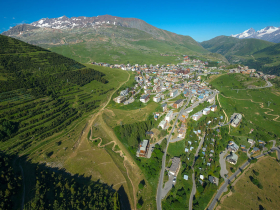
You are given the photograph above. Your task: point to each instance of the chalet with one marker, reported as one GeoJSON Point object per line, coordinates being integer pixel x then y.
{"type": "Point", "coordinates": [255, 149]}
{"type": "Point", "coordinates": [119, 99]}
{"type": "Point", "coordinates": [150, 133]}
{"type": "Point", "coordinates": [186, 177]}
{"type": "Point", "coordinates": [197, 116]}
{"type": "Point", "coordinates": [211, 99]}
{"type": "Point", "coordinates": [242, 146]}
{"type": "Point", "coordinates": [232, 158]}
{"type": "Point", "coordinates": [201, 177]}
{"type": "Point", "coordinates": [164, 107]}
{"type": "Point", "coordinates": [145, 98]}
{"type": "Point", "coordinates": [251, 141]}
{"type": "Point", "coordinates": [206, 111]}
{"type": "Point", "coordinates": [232, 146]}
{"type": "Point", "coordinates": [175, 166]}
{"type": "Point", "coordinates": [235, 119]}
{"type": "Point", "coordinates": [143, 149]}
{"type": "Point", "coordinates": [178, 103]}
{"type": "Point", "coordinates": [182, 132]}
{"type": "Point", "coordinates": [213, 108]}
{"type": "Point", "coordinates": [213, 180]}
{"type": "Point", "coordinates": [182, 119]}
{"type": "Point", "coordinates": [261, 142]}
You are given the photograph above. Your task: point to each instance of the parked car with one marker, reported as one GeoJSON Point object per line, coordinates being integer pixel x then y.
{"type": "Point", "coordinates": [174, 179]}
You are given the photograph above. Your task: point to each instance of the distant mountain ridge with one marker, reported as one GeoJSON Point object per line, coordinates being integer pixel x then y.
{"type": "Point", "coordinates": [109, 39]}
{"type": "Point", "coordinates": [269, 33]}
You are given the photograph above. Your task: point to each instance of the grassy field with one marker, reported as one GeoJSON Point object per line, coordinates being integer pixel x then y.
{"type": "Point", "coordinates": [249, 196]}
{"type": "Point", "coordinates": [251, 103]}
{"type": "Point", "coordinates": [176, 149]}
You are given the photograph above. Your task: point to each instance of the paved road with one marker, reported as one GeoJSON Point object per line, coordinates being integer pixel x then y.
{"type": "Point", "coordinates": [160, 183]}
{"type": "Point", "coordinates": [168, 186]}
{"type": "Point", "coordinates": [222, 161]}
{"type": "Point", "coordinates": [176, 139]}
{"type": "Point", "coordinates": [268, 84]}
{"type": "Point", "coordinates": [223, 188]}
{"type": "Point", "coordinates": [193, 175]}
{"type": "Point", "coordinates": [168, 99]}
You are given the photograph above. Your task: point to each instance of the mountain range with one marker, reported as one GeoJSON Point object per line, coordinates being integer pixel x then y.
{"type": "Point", "coordinates": [269, 33]}
{"type": "Point", "coordinates": [109, 39]}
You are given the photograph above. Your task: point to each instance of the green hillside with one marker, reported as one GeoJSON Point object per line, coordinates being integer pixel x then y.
{"type": "Point", "coordinates": [117, 44]}
{"type": "Point", "coordinates": [42, 93]}
{"type": "Point", "coordinates": [266, 60]}
{"type": "Point", "coordinates": [229, 46]}
{"type": "Point", "coordinates": [46, 101]}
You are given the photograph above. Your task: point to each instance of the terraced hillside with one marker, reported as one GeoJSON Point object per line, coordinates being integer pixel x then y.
{"type": "Point", "coordinates": [46, 102]}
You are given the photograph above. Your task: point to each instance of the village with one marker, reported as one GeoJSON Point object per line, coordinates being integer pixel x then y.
{"type": "Point", "coordinates": [188, 113]}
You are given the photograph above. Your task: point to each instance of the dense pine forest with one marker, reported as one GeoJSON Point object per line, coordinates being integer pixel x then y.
{"type": "Point", "coordinates": [48, 188]}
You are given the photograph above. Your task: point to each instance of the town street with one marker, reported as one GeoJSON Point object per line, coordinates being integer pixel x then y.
{"type": "Point", "coordinates": [160, 183]}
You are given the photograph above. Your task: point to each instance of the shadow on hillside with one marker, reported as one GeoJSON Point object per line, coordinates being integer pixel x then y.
{"type": "Point", "coordinates": [124, 199]}
{"type": "Point", "coordinates": [54, 188]}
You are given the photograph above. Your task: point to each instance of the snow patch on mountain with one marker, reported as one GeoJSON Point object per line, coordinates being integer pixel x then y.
{"type": "Point", "coordinates": [269, 33]}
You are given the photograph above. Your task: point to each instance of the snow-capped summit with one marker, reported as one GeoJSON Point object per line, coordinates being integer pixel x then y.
{"type": "Point", "coordinates": [269, 33]}
{"type": "Point", "coordinates": [250, 33]}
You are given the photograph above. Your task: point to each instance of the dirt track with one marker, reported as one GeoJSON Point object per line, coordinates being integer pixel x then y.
{"type": "Point", "coordinates": [261, 106]}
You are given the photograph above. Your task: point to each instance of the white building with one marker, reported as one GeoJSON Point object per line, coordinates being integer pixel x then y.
{"type": "Point", "coordinates": [169, 116]}
{"type": "Point", "coordinates": [206, 111]}
{"type": "Point", "coordinates": [163, 124]}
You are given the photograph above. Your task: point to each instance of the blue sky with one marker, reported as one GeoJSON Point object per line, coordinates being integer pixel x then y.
{"type": "Point", "coordinates": [199, 19]}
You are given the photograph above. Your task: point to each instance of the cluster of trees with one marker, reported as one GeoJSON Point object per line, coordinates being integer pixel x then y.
{"type": "Point", "coordinates": [10, 183]}
{"type": "Point", "coordinates": [54, 190]}
{"type": "Point", "coordinates": [256, 182]}
{"type": "Point", "coordinates": [7, 128]}
{"type": "Point", "coordinates": [153, 166]}
{"type": "Point", "coordinates": [205, 193]}
{"type": "Point", "coordinates": [132, 134]}
{"type": "Point", "coordinates": [176, 199]}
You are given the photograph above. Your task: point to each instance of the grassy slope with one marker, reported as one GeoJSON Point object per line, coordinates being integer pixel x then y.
{"type": "Point", "coordinates": [117, 44]}
{"type": "Point", "coordinates": [254, 115]}
{"type": "Point", "coordinates": [247, 195]}
{"type": "Point", "coordinates": [227, 46]}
